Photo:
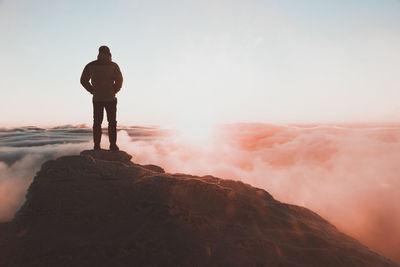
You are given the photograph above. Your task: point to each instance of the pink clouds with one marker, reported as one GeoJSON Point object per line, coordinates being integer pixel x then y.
{"type": "Point", "coordinates": [349, 175]}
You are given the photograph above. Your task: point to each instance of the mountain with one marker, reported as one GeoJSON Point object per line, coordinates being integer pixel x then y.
{"type": "Point", "coordinates": [100, 209]}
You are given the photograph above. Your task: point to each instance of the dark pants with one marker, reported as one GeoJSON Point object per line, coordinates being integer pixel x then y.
{"type": "Point", "coordinates": [98, 114]}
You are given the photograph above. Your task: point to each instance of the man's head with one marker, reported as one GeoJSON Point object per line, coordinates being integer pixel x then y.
{"type": "Point", "coordinates": [104, 50]}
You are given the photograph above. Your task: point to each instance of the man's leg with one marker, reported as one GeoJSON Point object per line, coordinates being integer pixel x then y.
{"type": "Point", "coordinates": [98, 111]}
{"type": "Point", "coordinates": [111, 108]}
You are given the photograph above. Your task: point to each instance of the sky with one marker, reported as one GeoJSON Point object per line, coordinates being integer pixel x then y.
{"type": "Point", "coordinates": [203, 62]}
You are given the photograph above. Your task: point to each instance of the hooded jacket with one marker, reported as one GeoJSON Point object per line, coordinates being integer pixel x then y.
{"type": "Point", "coordinates": [102, 78]}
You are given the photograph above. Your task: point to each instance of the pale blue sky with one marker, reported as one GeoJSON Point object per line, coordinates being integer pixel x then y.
{"type": "Point", "coordinates": [217, 61]}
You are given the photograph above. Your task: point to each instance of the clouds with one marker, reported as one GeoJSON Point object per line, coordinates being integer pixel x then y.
{"type": "Point", "coordinates": [23, 150]}
{"type": "Point", "coordinates": [349, 175]}
{"type": "Point", "coordinates": [16, 178]}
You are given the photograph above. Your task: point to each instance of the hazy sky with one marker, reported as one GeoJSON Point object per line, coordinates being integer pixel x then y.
{"type": "Point", "coordinates": [203, 61]}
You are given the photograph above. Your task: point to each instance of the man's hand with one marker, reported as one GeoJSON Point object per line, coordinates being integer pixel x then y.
{"type": "Point", "coordinates": [85, 78]}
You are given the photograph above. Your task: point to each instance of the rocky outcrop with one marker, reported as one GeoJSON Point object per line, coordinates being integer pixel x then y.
{"type": "Point", "coordinates": [101, 209]}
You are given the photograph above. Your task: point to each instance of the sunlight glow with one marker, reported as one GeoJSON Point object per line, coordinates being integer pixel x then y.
{"type": "Point", "coordinates": [194, 130]}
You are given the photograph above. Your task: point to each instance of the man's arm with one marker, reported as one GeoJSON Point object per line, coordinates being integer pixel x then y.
{"type": "Point", "coordinates": [85, 77]}
{"type": "Point", "coordinates": [118, 79]}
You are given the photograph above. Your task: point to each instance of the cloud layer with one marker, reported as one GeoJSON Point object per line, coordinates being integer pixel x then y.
{"type": "Point", "coordinates": [349, 175]}
{"type": "Point", "coordinates": [16, 178]}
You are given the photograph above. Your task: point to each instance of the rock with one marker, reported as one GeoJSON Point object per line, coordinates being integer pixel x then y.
{"type": "Point", "coordinates": [154, 168]}
{"type": "Point", "coordinates": [100, 209]}
{"type": "Point", "coordinates": [107, 155]}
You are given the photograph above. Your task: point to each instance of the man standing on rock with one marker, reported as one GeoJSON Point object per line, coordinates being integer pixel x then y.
{"type": "Point", "coordinates": [103, 79]}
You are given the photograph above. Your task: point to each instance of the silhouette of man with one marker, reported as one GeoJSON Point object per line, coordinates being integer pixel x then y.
{"type": "Point", "coordinates": [103, 79]}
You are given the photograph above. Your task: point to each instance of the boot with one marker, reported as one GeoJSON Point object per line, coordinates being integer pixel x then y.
{"type": "Point", "coordinates": [96, 137]}
{"type": "Point", "coordinates": [112, 136]}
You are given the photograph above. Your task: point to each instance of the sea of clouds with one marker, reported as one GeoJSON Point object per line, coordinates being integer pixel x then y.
{"type": "Point", "coordinates": [349, 175]}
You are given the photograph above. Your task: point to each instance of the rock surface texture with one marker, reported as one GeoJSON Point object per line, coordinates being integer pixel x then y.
{"type": "Point", "coordinates": [101, 209]}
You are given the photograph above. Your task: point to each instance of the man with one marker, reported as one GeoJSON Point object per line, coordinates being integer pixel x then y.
{"type": "Point", "coordinates": [103, 79]}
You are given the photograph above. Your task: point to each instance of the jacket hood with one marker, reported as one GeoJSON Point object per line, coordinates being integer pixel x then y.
{"type": "Point", "coordinates": [104, 57]}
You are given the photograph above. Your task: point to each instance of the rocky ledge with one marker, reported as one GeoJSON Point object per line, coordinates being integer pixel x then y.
{"type": "Point", "coordinates": [101, 209]}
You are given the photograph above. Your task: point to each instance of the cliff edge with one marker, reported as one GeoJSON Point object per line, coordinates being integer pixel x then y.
{"type": "Point", "coordinates": [101, 209]}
